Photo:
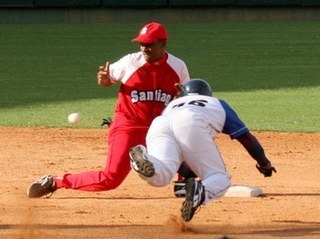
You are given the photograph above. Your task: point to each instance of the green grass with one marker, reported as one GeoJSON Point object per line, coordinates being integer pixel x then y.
{"type": "Point", "coordinates": [56, 114]}
{"type": "Point", "coordinates": [285, 110]}
{"type": "Point", "coordinates": [269, 72]}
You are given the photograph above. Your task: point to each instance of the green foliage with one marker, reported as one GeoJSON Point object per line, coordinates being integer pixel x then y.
{"type": "Point", "coordinates": [269, 71]}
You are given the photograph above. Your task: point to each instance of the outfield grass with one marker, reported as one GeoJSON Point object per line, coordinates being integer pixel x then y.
{"type": "Point", "coordinates": [269, 72]}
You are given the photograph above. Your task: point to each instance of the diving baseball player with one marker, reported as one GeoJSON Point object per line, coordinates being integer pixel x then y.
{"type": "Point", "coordinates": [184, 133]}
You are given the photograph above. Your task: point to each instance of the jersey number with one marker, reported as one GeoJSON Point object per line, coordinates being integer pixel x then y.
{"type": "Point", "coordinates": [201, 103]}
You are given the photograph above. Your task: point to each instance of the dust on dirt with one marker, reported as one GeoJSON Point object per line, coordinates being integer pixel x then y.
{"type": "Point", "coordinates": [289, 208]}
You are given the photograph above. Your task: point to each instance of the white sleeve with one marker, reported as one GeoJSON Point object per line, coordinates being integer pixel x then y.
{"type": "Point", "coordinates": [117, 69]}
{"type": "Point", "coordinates": [126, 66]}
{"type": "Point", "coordinates": [179, 66]}
{"type": "Point", "coordinates": [185, 74]}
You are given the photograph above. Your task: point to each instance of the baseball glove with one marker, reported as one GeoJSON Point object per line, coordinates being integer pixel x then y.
{"type": "Point", "coordinates": [107, 121]}
{"type": "Point", "coordinates": [266, 170]}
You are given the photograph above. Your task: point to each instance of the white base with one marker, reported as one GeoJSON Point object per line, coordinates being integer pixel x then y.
{"type": "Point", "coordinates": [243, 191]}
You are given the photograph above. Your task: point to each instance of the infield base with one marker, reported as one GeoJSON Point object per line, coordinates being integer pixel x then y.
{"type": "Point", "coordinates": [243, 191]}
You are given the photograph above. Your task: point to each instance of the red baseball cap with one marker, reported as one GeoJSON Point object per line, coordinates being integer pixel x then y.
{"type": "Point", "coordinates": [151, 32]}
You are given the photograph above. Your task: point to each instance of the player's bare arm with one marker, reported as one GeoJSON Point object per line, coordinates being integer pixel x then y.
{"type": "Point", "coordinates": [103, 75]}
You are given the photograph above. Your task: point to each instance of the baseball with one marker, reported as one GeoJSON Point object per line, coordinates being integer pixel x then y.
{"type": "Point", "coordinates": [74, 118]}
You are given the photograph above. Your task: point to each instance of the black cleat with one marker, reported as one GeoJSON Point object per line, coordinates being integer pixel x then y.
{"type": "Point", "coordinates": [195, 196]}
{"type": "Point", "coordinates": [45, 186]}
{"type": "Point", "coordinates": [179, 188]}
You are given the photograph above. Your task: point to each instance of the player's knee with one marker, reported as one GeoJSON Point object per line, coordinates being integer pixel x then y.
{"type": "Point", "coordinates": [113, 183]}
{"type": "Point", "coordinates": [159, 180]}
{"type": "Point", "coordinates": [163, 175]}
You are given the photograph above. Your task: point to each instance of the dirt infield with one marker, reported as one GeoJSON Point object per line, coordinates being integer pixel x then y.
{"type": "Point", "coordinates": [290, 207]}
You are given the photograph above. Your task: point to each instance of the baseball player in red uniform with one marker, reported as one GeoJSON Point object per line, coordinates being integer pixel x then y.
{"type": "Point", "coordinates": [147, 81]}
{"type": "Point", "coordinates": [184, 132]}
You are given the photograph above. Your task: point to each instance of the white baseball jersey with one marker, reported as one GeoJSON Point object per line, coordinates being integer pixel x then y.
{"type": "Point", "coordinates": [185, 132]}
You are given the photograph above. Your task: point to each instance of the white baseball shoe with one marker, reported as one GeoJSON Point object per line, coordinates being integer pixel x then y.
{"type": "Point", "coordinates": [140, 162]}
{"type": "Point", "coordinates": [195, 195]}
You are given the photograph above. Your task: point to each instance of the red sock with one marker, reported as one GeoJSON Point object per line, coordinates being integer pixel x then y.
{"type": "Point", "coordinates": [58, 181]}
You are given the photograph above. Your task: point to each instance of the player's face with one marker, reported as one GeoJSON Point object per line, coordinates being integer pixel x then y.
{"type": "Point", "coordinates": [154, 51]}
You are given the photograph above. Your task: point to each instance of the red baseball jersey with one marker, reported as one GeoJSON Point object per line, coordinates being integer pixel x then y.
{"type": "Point", "coordinates": [146, 88]}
